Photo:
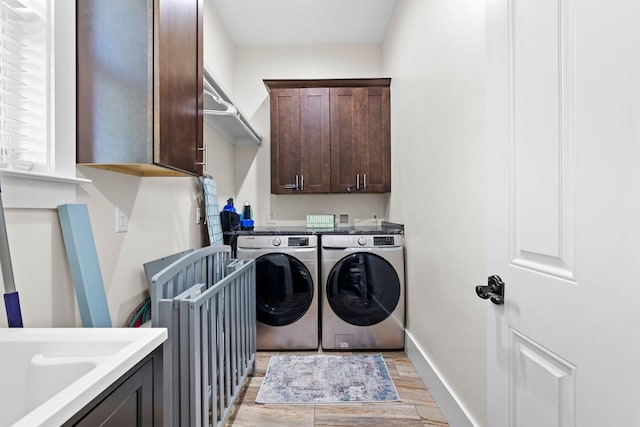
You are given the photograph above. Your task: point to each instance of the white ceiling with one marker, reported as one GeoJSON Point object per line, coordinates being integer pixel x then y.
{"type": "Point", "coordinates": [304, 22]}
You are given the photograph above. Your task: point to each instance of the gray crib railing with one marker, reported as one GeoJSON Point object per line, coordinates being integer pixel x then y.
{"type": "Point", "coordinates": [206, 300]}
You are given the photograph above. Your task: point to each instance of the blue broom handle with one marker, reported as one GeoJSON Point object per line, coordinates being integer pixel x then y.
{"type": "Point", "coordinates": [5, 255]}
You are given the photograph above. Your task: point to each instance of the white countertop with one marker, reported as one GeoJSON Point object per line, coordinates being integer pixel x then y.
{"type": "Point", "coordinates": [34, 358]}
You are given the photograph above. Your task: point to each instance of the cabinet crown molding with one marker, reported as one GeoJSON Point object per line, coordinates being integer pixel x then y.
{"type": "Point", "coordinates": [316, 83]}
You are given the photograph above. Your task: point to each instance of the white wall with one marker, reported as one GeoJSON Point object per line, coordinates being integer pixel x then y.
{"type": "Point", "coordinates": [253, 164]}
{"type": "Point", "coordinates": [219, 53]}
{"type": "Point", "coordinates": [161, 221]}
{"type": "Point", "coordinates": [42, 276]}
{"type": "Point", "coordinates": [218, 48]}
{"type": "Point", "coordinates": [434, 52]}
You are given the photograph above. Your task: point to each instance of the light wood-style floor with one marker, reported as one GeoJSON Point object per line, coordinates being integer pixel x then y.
{"type": "Point", "coordinates": [415, 408]}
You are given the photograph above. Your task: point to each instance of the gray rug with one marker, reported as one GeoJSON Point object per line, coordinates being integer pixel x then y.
{"type": "Point", "coordinates": [317, 379]}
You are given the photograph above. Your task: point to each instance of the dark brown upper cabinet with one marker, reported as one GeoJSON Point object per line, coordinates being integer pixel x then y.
{"type": "Point", "coordinates": [360, 139]}
{"type": "Point", "coordinates": [139, 86]}
{"type": "Point", "coordinates": [300, 141]}
{"type": "Point", "coordinates": [330, 136]}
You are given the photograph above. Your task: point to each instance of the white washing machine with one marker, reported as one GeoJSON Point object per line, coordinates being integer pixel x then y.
{"type": "Point", "coordinates": [363, 291]}
{"type": "Point", "coordinates": [286, 289]}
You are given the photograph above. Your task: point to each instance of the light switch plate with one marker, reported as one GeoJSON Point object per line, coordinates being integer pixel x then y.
{"type": "Point", "coordinates": [122, 221]}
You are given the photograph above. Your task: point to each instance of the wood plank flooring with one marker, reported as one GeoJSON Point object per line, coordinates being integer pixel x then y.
{"type": "Point", "coordinates": [415, 408]}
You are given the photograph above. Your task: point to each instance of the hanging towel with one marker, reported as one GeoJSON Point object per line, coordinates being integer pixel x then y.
{"type": "Point", "coordinates": [212, 211]}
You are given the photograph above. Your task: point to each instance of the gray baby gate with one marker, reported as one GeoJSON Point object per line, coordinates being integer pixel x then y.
{"type": "Point", "coordinates": [206, 300]}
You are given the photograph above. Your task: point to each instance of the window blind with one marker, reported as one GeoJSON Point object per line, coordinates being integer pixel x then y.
{"type": "Point", "coordinates": [25, 85]}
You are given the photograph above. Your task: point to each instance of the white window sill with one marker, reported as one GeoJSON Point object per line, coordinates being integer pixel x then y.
{"type": "Point", "coordinates": [22, 189]}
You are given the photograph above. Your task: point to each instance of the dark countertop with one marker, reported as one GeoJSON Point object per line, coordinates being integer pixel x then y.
{"type": "Point", "coordinates": [383, 228]}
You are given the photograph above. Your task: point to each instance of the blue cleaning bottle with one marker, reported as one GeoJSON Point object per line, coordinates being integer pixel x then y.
{"type": "Point", "coordinates": [229, 206]}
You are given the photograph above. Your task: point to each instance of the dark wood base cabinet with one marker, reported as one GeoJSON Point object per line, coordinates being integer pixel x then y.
{"type": "Point", "coordinates": [330, 136]}
{"type": "Point", "coordinates": [135, 400]}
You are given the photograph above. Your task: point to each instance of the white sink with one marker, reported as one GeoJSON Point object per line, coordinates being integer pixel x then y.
{"type": "Point", "coordinates": [50, 374]}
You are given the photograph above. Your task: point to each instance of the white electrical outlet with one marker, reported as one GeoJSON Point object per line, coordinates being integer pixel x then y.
{"type": "Point", "coordinates": [122, 221]}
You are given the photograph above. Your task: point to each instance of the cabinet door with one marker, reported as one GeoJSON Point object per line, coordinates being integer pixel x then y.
{"type": "Point", "coordinates": [375, 149]}
{"type": "Point", "coordinates": [131, 404]}
{"type": "Point", "coordinates": [360, 139]}
{"type": "Point", "coordinates": [178, 69]}
{"type": "Point", "coordinates": [285, 139]}
{"type": "Point", "coordinates": [300, 146]}
{"type": "Point", "coordinates": [347, 108]}
{"type": "Point", "coordinates": [114, 77]}
{"type": "Point", "coordinates": [315, 144]}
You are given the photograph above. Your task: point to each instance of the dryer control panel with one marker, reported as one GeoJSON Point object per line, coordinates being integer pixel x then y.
{"type": "Point", "coordinates": [383, 241]}
{"type": "Point", "coordinates": [362, 241]}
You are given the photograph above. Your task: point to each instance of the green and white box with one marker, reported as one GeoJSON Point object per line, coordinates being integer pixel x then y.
{"type": "Point", "coordinates": [320, 221]}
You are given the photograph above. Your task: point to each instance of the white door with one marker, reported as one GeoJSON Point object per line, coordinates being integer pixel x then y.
{"type": "Point", "coordinates": [563, 82]}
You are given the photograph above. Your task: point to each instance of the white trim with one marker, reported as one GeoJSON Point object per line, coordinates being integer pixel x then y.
{"type": "Point", "coordinates": [27, 190]}
{"type": "Point", "coordinates": [448, 402]}
{"type": "Point", "coordinates": [43, 177]}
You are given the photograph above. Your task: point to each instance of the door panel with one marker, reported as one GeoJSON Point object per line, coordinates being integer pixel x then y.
{"type": "Point", "coordinates": [541, 121]}
{"type": "Point", "coordinates": [285, 139]}
{"type": "Point", "coordinates": [376, 141]}
{"type": "Point", "coordinates": [346, 134]}
{"type": "Point", "coordinates": [315, 153]}
{"type": "Point", "coordinates": [542, 386]}
{"type": "Point", "coordinates": [179, 81]}
{"type": "Point", "coordinates": [562, 140]}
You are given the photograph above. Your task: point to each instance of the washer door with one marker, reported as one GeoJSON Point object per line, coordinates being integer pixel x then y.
{"type": "Point", "coordinates": [363, 289]}
{"type": "Point", "coordinates": [284, 289]}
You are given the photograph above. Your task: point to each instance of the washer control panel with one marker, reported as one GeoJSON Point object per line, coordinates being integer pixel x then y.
{"type": "Point", "coordinates": [383, 241]}
{"type": "Point", "coordinates": [298, 241]}
{"type": "Point", "coordinates": [281, 242]}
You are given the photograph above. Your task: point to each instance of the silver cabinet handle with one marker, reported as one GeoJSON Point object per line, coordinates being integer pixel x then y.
{"type": "Point", "coordinates": [299, 185]}
{"type": "Point", "coordinates": [365, 181]}
{"type": "Point", "coordinates": [357, 181]}
{"type": "Point", "coordinates": [204, 156]}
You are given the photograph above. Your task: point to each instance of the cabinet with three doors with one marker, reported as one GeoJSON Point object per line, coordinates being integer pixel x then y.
{"type": "Point", "coordinates": [330, 136]}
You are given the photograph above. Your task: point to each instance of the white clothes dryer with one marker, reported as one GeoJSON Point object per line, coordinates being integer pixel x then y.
{"type": "Point", "coordinates": [363, 304]}
{"type": "Point", "coordinates": [286, 289]}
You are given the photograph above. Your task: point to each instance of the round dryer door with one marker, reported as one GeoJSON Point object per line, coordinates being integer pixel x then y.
{"type": "Point", "coordinates": [284, 289]}
{"type": "Point", "coordinates": [363, 289]}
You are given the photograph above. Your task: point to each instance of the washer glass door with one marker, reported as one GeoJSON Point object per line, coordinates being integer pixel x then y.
{"type": "Point", "coordinates": [363, 289]}
{"type": "Point", "coordinates": [284, 289]}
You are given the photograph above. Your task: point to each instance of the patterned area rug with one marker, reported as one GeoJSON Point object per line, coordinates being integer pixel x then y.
{"type": "Point", "coordinates": [315, 379]}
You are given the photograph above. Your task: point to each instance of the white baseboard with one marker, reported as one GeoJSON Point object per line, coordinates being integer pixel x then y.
{"type": "Point", "coordinates": [447, 401]}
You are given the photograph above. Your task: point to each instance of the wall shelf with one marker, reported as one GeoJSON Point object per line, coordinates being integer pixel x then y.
{"type": "Point", "coordinates": [222, 115]}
